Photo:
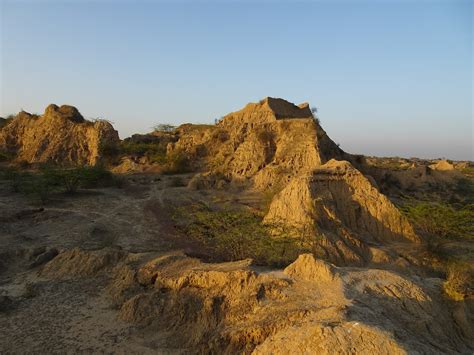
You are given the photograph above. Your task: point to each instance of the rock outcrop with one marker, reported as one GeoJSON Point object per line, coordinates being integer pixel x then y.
{"type": "Point", "coordinates": [60, 135]}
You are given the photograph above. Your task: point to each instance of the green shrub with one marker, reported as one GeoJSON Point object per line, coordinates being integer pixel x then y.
{"type": "Point", "coordinates": [459, 281]}
{"type": "Point", "coordinates": [35, 185]}
{"type": "Point", "coordinates": [95, 176]}
{"type": "Point", "coordinates": [164, 127]}
{"type": "Point", "coordinates": [238, 234]}
{"type": "Point", "coordinates": [176, 163]}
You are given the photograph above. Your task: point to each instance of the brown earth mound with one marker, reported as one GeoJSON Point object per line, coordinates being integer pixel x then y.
{"type": "Point", "coordinates": [311, 307]}
{"type": "Point", "coordinates": [346, 210]}
{"type": "Point", "coordinates": [77, 263]}
{"type": "Point", "coordinates": [61, 135]}
{"type": "Point", "coordinates": [263, 144]}
{"type": "Point", "coordinates": [442, 165]}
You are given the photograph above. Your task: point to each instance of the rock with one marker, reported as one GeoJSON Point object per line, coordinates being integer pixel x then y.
{"type": "Point", "coordinates": [61, 135]}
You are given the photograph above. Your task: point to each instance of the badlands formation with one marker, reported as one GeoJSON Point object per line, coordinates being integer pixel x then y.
{"type": "Point", "coordinates": [59, 135]}
{"type": "Point", "coordinates": [112, 269]}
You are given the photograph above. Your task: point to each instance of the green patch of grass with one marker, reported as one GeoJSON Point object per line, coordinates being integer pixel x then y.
{"type": "Point", "coordinates": [237, 234]}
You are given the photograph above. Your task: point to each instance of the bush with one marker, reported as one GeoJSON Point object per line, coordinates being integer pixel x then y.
{"type": "Point", "coordinates": [37, 185]}
{"type": "Point", "coordinates": [176, 163]}
{"type": "Point", "coordinates": [164, 127]}
{"type": "Point", "coordinates": [233, 235]}
{"type": "Point", "coordinates": [459, 281]}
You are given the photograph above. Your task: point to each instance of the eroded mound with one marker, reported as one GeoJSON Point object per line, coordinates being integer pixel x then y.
{"type": "Point", "coordinates": [76, 263]}
{"type": "Point", "coordinates": [264, 144]}
{"type": "Point", "coordinates": [345, 209]}
{"type": "Point", "coordinates": [311, 307]}
{"type": "Point", "coordinates": [61, 135]}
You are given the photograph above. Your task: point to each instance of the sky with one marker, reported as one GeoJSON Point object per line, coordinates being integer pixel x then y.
{"type": "Point", "coordinates": [390, 78]}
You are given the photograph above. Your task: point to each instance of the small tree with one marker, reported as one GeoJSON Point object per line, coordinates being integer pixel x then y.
{"type": "Point", "coordinates": [314, 111]}
{"type": "Point", "coordinates": [164, 127]}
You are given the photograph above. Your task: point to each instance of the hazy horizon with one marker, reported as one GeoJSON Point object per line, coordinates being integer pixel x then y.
{"type": "Point", "coordinates": [389, 78]}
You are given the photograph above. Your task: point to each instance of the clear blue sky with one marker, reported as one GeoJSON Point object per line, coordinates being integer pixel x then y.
{"type": "Point", "coordinates": [389, 77]}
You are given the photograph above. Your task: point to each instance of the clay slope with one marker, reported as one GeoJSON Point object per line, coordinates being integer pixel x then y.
{"type": "Point", "coordinates": [310, 307]}
{"type": "Point", "coordinates": [347, 212]}
{"type": "Point", "coordinates": [61, 135]}
{"type": "Point", "coordinates": [265, 143]}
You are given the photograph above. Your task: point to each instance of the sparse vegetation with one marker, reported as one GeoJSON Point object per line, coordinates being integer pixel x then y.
{"type": "Point", "coordinates": [238, 234]}
{"type": "Point", "coordinates": [50, 179]}
{"type": "Point", "coordinates": [438, 220]}
{"type": "Point", "coordinates": [442, 224]}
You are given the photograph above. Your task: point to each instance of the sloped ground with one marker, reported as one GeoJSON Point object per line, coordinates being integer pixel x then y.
{"type": "Point", "coordinates": [121, 283]}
